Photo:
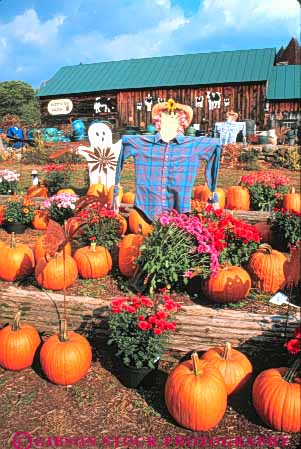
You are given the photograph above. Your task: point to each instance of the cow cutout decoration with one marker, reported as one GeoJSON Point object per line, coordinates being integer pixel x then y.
{"type": "Point", "coordinates": [105, 105]}
{"type": "Point", "coordinates": [161, 100]}
{"type": "Point", "coordinates": [214, 100]}
{"type": "Point", "coordinates": [139, 106]}
{"type": "Point", "coordinates": [226, 102]}
{"type": "Point", "coordinates": [148, 103]}
{"type": "Point", "coordinates": [199, 101]}
{"type": "Point", "coordinates": [102, 155]}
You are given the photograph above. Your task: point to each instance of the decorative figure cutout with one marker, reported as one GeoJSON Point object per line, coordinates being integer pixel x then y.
{"type": "Point", "coordinates": [148, 103]}
{"type": "Point", "coordinates": [226, 102]}
{"type": "Point", "coordinates": [103, 104]}
{"type": "Point", "coordinates": [199, 101]}
{"type": "Point", "coordinates": [139, 106]}
{"type": "Point", "coordinates": [214, 100]}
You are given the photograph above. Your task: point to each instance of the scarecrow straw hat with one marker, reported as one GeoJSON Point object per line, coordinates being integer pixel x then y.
{"type": "Point", "coordinates": [172, 106]}
{"type": "Point", "coordinates": [232, 114]}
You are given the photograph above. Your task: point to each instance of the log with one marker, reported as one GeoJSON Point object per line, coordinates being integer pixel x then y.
{"type": "Point", "coordinates": [198, 327]}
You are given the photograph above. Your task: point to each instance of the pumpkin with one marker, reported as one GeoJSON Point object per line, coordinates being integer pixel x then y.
{"type": "Point", "coordinates": [238, 198]}
{"type": "Point", "coordinates": [97, 190]}
{"type": "Point", "coordinates": [201, 193]}
{"type": "Point", "coordinates": [234, 366]}
{"type": "Point", "coordinates": [2, 213]}
{"type": "Point", "coordinates": [128, 252]}
{"type": "Point", "coordinates": [37, 192]}
{"type": "Point", "coordinates": [40, 220]}
{"type": "Point", "coordinates": [66, 357]}
{"type": "Point", "coordinates": [230, 284]}
{"type": "Point", "coordinates": [292, 268]}
{"type": "Point", "coordinates": [267, 269]}
{"type": "Point", "coordinates": [123, 224]}
{"type": "Point", "coordinates": [40, 248]}
{"type": "Point", "coordinates": [292, 201]}
{"type": "Point", "coordinates": [69, 191]}
{"type": "Point", "coordinates": [265, 232]}
{"type": "Point", "coordinates": [17, 261]}
{"type": "Point", "coordinates": [49, 274]}
{"type": "Point", "coordinates": [277, 399]}
{"type": "Point", "coordinates": [110, 195]}
{"type": "Point", "coordinates": [137, 223]}
{"type": "Point", "coordinates": [93, 261]}
{"type": "Point", "coordinates": [196, 395]}
{"type": "Point", "coordinates": [128, 198]}
{"type": "Point", "coordinates": [18, 345]}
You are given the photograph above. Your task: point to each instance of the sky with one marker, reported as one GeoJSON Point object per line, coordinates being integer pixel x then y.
{"type": "Point", "coordinates": [37, 37]}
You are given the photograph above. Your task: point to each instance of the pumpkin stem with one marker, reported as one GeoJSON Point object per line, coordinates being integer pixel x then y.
{"type": "Point", "coordinates": [266, 247]}
{"type": "Point", "coordinates": [227, 349]}
{"type": "Point", "coordinates": [139, 229]}
{"type": "Point", "coordinates": [93, 246]}
{"type": "Point", "coordinates": [195, 359]}
{"type": "Point", "coordinates": [13, 240]}
{"type": "Point", "coordinates": [16, 323]}
{"type": "Point", "coordinates": [292, 371]}
{"type": "Point", "coordinates": [64, 331]}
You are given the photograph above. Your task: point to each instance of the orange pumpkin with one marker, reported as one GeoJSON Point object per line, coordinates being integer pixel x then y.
{"type": "Point", "coordinates": [201, 193]}
{"type": "Point", "coordinates": [18, 345]}
{"type": "Point", "coordinates": [93, 261]}
{"type": "Point", "coordinates": [128, 198]}
{"type": "Point", "coordinates": [49, 274]}
{"type": "Point", "coordinates": [234, 366]}
{"type": "Point", "coordinates": [17, 261]}
{"type": "Point", "coordinates": [37, 192]}
{"type": "Point", "coordinates": [69, 191]}
{"type": "Point", "coordinates": [238, 198]}
{"type": "Point", "coordinates": [40, 248]}
{"type": "Point", "coordinates": [292, 201]}
{"type": "Point", "coordinates": [137, 223]}
{"type": "Point", "coordinates": [97, 190]}
{"type": "Point", "coordinates": [267, 269]}
{"type": "Point", "coordinates": [265, 232]}
{"type": "Point", "coordinates": [66, 358]}
{"type": "Point", "coordinates": [129, 249]}
{"type": "Point", "coordinates": [40, 220]}
{"type": "Point", "coordinates": [277, 399]}
{"type": "Point", "coordinates": [110, 195]}
{"type": "Point", "coordinates": [230, 284]}
{"type": "Point", "coordinates": [196, 395]}
{"type": "Point", "coordinates": [2, 213]}
{"type": "Point", "coordinates": [123, 224]}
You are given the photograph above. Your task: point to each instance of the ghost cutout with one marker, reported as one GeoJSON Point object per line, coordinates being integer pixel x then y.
{"type": "Point", "coordinates": [102, 155]}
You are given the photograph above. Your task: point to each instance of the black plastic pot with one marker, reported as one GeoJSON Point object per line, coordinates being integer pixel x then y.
{"type": "Point", "coordinates": [130, 376]}
{"type": "Point", "coordinates": [17, 228]}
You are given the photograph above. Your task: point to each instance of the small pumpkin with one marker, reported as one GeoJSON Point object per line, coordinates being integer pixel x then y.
{"type": "Point", "coordinates": [19, 261]}
{"type": "Point", "coordinates": [66, 357]}
{"type": "Point", "coordinates": [128, 198]}
{"type": "Point", "coordinates": [40, 248]}
{"type": "Point", "coordinates": [49, 273]}
{"type": "Point", "coordinates": [238, 198]}
{"type": "Point", "coordinates": [230, 284]}
{"type": "Point", "coordinates": [40, 220]}
{"type": "Point", "coordinates": [93, 261]}
{"type": "Point", "coordinates": [277, 398]}
{"type": "Point", "coordinates": [110, 194]}
{"type": "Point", "coordinates": [69, 191]}
{"type": "Point", "coordinates": [201, 193]}
{"type": "Point", "coordinates": [39, 191]}
{"type": "Point", "coordinates": [196, 395]}
{"type": "Point", "coordinates": [129, 249]}
{"type": "Point", "coordinates": [97, 190]}
{"type": "Point", "coordinates": [234, 366]}
{"type": "Point", "coordinates": [137, 224]}
{"type": "Point", "coordinates": [267, 269]}
{"type": "Point", "coordinates": [292, 201]}
{"type": "Point", "coordinates": [18, 345]}
{"type": "Point", "coordinates": [265, 231]}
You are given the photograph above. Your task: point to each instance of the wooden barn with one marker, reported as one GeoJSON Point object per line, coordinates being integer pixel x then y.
{"type": "Point", "coordinates": [123, 92]}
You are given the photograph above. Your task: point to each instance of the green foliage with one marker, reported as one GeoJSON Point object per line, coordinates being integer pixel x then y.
{"type": "Point", "coordinates": [289, 157]}
{"type": "Point", "coordinates": [57, 177]}
{"type": "Point", "coordinates": [19, 210]}
{"type": "Point", "coordinates": [287, 225]}
{"type": "Point", "coordinates": [18, 97]}
{"type": "Point", "coordinates": [250, 159]}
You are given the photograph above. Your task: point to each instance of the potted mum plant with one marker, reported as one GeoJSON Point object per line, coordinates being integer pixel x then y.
{"type": "Point", "coordinates": [61, 207]}
{"type": "Point", "coordinates": [139, 328]}
{"type": "Point", "coordinates": [19, 213]}
{"type": "Point", "coordinates": [8, 182]}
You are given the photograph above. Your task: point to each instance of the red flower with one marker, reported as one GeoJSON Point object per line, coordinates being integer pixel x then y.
{"type": "Point", "coordinates": [144, 325]}
{"type": "Point", "coordinates": [152, 319]}
{"type": "Point", "coordinates": [92, 239]}
{"type": "Point", "coordinates": [141, 318]}
{"type": "Point", "coordinates": [157, 331]}
{"type": "Point", "coordinates": [147, 302]}
{"type": "Point", "coordinates": [298, 332]}
{"type": "Point", "coordinates": [161, 315]}
{"type": "Point", "coordinates": [293, 346]}
{"type": "Point", "coordinates": [171, 326]}
{"type": "Point", "coordinates": [129, 309]}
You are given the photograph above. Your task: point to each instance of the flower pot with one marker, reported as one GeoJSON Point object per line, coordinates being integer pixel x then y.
{"type": "Point", "coordinates": [130, 376]}
{"type": "Point", "coordinates": [17, 228]}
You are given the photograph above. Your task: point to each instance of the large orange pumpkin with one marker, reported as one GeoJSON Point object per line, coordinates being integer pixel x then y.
{"type": "Point", "coordinates": [128, 198]}
{"type": "Point", "coordinates": [238, 198]}
{"type": "Point", "coordinates": [49, 274]}
{"type": "Point", "coordinates": [93, 261]}
{"type": "Point", "coordinates": [137, 223]}
{"type": "Point", "coordinates": [66, 358]}
{"type": "Point", "coordinates": [40, 220]}
{"type": "Point", "coordinates": [37, 192]}
{"type": "Point", "coordinates": [110, 195]}
{"type": "Point", "coordinates": [278, 400]}
{"type": "Point", "coordinates": [69, 191]}
{"type": "Point", "coordinates": [128, 252]}
{"type": "Point", "coordinates": [292, 201]}
{"type": "Point", "coordinates": [40, 248]}
{"type": "Point", "coordinates": [98, 190]}
{"type": "Point", "coordinates": [234, 366]}
{"type": "Point", "coordinates": [201, 193]}
{"type": "Point", "coordinates": [265, 231]}
{"type": "Point", "coordinates": [230, 284]}
{"type": "Point", "coordinates": [18, 345]}
{"type": "Point", "coordinates": [267, 269]}
{"type": "Point", "coordinates": [196, 395]}
{"type": "Point", "coordinates": [17, 261]}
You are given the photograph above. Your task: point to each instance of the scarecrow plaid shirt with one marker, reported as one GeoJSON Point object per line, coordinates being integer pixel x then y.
{"type": "Point", "coordinates": [165, 172]}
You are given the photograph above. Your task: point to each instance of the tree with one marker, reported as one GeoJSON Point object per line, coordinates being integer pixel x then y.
{"type": "Point", "coordinates": [19, 98]}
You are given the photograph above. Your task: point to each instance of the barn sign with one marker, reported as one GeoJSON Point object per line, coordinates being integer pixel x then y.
{"type": "Point", "coordinates": [60, 107]}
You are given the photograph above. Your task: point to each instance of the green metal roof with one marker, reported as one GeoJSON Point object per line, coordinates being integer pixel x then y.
{"type": "Point", "coordinates": [180, 70]}
{"type": "Point", "coordinates": [284, 83]}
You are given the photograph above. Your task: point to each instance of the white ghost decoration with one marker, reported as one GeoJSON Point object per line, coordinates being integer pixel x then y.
{"type": "Point", "coordinates": [102, 155]}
